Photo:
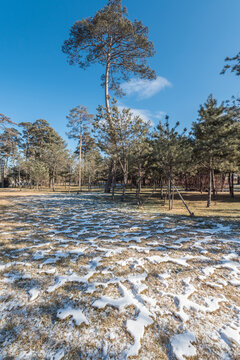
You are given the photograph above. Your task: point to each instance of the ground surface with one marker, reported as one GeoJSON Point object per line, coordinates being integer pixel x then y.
{"type": "Point", "coordinates": [81, 279]}
{"type": "Point", "coordinates": [222, 204]}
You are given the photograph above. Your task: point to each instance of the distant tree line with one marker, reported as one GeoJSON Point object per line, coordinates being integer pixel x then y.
{"type": "Point", "coordinates": [34, 154]}
{"type": "Point", "coordinates": [136, 153]}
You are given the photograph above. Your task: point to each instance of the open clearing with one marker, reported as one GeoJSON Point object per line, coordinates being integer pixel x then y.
{"type": "Point", "coordinates": [83, 279]}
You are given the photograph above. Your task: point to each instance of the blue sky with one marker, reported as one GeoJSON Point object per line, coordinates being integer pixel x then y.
{"type": "Point", "coordinates": [191, 38]}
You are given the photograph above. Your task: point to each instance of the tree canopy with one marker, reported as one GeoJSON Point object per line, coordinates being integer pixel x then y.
{"type": "Point", "coordinates": [112, 40]}
{"type": "Point", "coordinates": [233, 64]}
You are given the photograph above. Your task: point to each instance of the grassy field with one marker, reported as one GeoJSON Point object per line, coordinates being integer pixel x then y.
{"type": "Point", "coordinates": [222, 205]}
{"type": "Point", "coordinates": [82, 277]}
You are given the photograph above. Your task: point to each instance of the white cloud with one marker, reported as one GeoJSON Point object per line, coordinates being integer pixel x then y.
{"type": "Point", "coordinates": [159, 115]}
{"type": "Point", "coordinates": [145, 88]}
{"type": "Point", "coordinates": [145, 115]}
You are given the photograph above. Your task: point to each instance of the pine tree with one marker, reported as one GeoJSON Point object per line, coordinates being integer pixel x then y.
{"type": "Point", "coordinates": [54, 156]}
{"type": "Point", "coordinates": [38, 171]}
{"type": "Point", "coordinates": [118, 139]}
{"type": "Point", "coordinates": [168, 148]}
{"type": "Point", "coordinates": [78, 121]}
{"type": "Point", "coordinates": [140, 151]}
{"type": "Point", "coordinates": [112, 40]}
{"type": "Point", "coordinates": [212, 138]}
{"type": "Point", "coordinates": [233, 64]}
{"type": "Point", "coordinates": [27, 128]}
{"type": "Point", "coordinates": [121, 46]}
{"type": "Point", "coordinates": [5, 121]}
{"type": "Point", "coordinates": [41, 143]}
{"type": "Point", "coordinates": [92, 160]}
{"type": "Point", "coordinates": [9, 141]}
{"type": "Point", "coordinates": [231, 162]}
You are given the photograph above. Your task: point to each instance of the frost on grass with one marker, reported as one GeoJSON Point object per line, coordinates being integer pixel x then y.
{"type": "Point", "coordinates": [80, 278]}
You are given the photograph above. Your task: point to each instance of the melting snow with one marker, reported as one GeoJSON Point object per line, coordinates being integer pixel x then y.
{"type": "Point", "coordinates": [182, 345]}
{"type": "Point", "coordinates": [33, 293]}
{"type": "Point", "coordinates": [76, 314]}
{"type": "Point", "coordinates": [76, 249]}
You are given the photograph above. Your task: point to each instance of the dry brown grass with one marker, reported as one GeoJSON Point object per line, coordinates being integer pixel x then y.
{"type": "Point", "coordinates": [7, 195]}
{"type": "Point", "coordinates": [34, 324]}
{"type": "Point", "coordinates": [222, 205]}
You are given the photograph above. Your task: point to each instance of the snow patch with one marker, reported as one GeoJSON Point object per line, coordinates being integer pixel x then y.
{"type": "Point", "coordinates": [182, 345]}
{"type": "Point", "coordinates": [76, 314]}
{"type": "Point", "coordinates": [33, 294]}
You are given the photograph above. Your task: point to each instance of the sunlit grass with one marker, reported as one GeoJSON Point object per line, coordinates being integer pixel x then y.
{"type": "Point", "coordinates": [222, 204]}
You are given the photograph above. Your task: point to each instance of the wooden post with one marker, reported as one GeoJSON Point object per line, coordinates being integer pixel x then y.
{"type": "Point", "coordinates": [191, 214]}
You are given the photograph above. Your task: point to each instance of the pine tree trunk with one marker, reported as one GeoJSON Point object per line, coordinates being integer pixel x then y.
{"type": "Point", "coordinates": [139, 181]}
{"type": "Point", "coordinates": [232, 180]}
{"type": "Point", "coordinates": [209, 188]}
{"type": "Point", "coordinates": [213, 184]}
{"type": "Point", "coordinates": [69, 184]}
{"type": "Point", "coordinates": [109, 180]}
{"type": "Point", "coordinates": [186, 183]}
{"type": "Point", "coordinates": [154, 186]}
{"type": "Point", "coordinates": [107, 87]}
{"type": "Point", "coordinates": [2, 173]}
{"type": "Point", "coordinates": [131, 186]}
{"type": "Point", "coordinates": [84, 167]}
{"type": "Point", "coordinates": [80, 155]}
{"type": "Point", "coordinates": [113, 178]}
{"type": "Point", "coordinates": [201, 184]}
{"type": "Point", "coordinates": [169, 193]}
{"type": "Point", "coordinates": [161, 189]}
{"type": "Point", "coordinates": [19, 178]}
{"type": "Point", "coordinates": [107, 103]}
{"type": "Point", "coordinates": [172, 199]}
{"type": "Point", "coordinates": [125, 177]}
{"type": "Point", "coordinates": [89, 182]}
{"type": "Point", "coordinates": [223, 182]}
{"type": "Point", "coordinates": [231, 184]}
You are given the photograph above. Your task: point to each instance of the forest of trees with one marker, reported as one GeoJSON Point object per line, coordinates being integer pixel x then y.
{"type": "Point", "coordinates": [203, 159]}
{"type": "Point", "coordinates": [114, 146]}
